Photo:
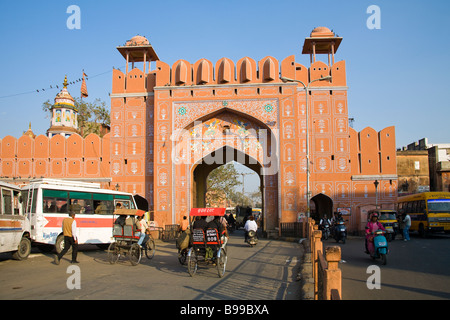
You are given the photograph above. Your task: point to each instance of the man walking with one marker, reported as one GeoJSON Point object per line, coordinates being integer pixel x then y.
{"type": "Point", "coordinates": [69, 227]}
{"type": "Point", "coordinates": [407, 225]}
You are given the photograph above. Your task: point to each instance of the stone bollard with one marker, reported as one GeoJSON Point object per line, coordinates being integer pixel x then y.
{"type": "Point", "coordinates": [333, 275]}
{"type": "Point", "coordinates": [317, 246]}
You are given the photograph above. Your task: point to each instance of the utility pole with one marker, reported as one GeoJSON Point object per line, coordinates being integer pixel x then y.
{"type": "Point", "coordinates": [243, 185]}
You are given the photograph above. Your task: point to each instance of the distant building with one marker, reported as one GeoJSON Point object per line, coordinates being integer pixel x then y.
{"type": "Point", "coordinates": [422, 167]}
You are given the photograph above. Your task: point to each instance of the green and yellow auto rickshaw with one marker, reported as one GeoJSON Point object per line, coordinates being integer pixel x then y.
{"type": "Point", "coordinates": [388, 218]}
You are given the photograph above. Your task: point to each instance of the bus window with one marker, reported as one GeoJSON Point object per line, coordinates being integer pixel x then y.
{"type": "Point", "coordinates": [103, 207]}
{"type": "Point", "coordinates": [54, 201]}
{"type": "Point", "coordinates": [81, 202]}
{"type": "Point", "coordinates": [421, 206]}
{"type": "Point", "coordinates": [81, 206]}
{"type": "Point", "coordinates": [16, 201]}
{"type": "Point", "coordinates": [49, 205]}
{"type": "Point", "coordinates": [125, 200]}
{"type": "Point", "coordinates": [7, 201]}
{"type": "Point", "coordinates": [103, 203]}
{"type": "Point", "coordinates": [414, 206]}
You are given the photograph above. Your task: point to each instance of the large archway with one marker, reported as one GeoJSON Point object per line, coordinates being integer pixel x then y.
{"type": "Point", "coordinates": [214, 160]}
{"type": "Point", "coordinates": [225, 136]}
{"type": "Point", "coordinates": [321, 205]}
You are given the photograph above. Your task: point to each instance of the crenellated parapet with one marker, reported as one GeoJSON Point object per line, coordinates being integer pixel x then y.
{"type": "Point", "coordinates": [225, 71]}
{"type": "Point", "coordinates": [373, 153]}
{"type": "Point", "coordinates": [57, 157]}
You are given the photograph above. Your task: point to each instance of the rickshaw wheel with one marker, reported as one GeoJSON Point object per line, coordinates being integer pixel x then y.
{"type": "Point", "coordinates": [192, 262]}
{"type": "Point", "coordinates": [182, 254]}
{"type": "Point", "coordinates": [113, 253]}
{"type": "Point", "coordinates": [150, 249]}
{"type": "Point", "coordinates": [135, 254]}
{"type": "Point", "coordinates": [221, 262]}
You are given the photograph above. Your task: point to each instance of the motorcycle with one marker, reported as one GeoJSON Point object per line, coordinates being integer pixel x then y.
{"type": "Point", "coordinates": [340, 232]}
{"type": "Point", "coordinates": [378, 247]}
{"type": "Point", "coordinates": [252, 240]}
{"type": "Point", "coordinates": [325, 231]}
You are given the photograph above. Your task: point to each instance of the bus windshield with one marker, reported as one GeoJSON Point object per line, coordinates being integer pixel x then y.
{"type": "Point", "coordinates": [439, 205]}
{"type": "Point", "coordinates": [387, 216]}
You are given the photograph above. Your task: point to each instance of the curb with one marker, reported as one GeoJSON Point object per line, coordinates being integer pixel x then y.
{"type": "Point", "coordinates": [305, 274]}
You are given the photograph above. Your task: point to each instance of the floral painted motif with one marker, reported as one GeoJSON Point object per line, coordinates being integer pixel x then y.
{"type": "Point", "coordinates": [268, 108]}
{"type": "Point", "coordinates": [182, 111]}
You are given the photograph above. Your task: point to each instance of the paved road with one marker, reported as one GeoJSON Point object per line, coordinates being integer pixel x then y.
{"type": "Point", "coordinates": [267, 271]}
{"type": "Point", "coordinates": [418, 269]}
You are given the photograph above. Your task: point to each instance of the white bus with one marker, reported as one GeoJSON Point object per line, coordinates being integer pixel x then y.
{"type": "Point", "coordinates": [48, 202]}
{"type": "Point", "coordinates": [14, 225]}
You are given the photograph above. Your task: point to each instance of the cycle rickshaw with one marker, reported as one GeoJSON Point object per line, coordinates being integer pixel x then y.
{"type": "Point", "coordinates": [207, 248]}
{"type": "Point", "coordinates": [125, 238]}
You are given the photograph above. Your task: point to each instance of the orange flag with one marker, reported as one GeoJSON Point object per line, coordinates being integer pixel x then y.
{"type": "Point", "coordinates": [84, 93]}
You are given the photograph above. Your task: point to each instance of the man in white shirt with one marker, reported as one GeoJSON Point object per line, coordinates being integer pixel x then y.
{"type": "Point", "coordinates": [250, 225]}
{"type": "Point", "coordinates": [143, 229]}
{"type": "Point", "coordinates": [69, 227]}
{"type": "Point", "coordinates": [407, 225]}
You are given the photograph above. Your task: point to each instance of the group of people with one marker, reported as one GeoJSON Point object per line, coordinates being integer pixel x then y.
{"type": "Point", "coordinates": [220, 223]}
{"type": "Point", "coordinates": [373, 225]}
{"type": "Point", "coordinates": [69, 227]}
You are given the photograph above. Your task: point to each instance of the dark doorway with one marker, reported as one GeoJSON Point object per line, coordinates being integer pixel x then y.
{"type": "Point", "coordinates": [321, 205]}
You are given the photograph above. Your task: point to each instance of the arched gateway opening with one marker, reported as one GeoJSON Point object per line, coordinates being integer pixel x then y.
{"type": "Point", "coordinates": [321, 204]}
{"type": "Point", "coordinates": [215, 160]}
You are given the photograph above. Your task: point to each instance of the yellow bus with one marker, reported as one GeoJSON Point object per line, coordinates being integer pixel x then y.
{"type": "Point", "coordinates": [429, 211]}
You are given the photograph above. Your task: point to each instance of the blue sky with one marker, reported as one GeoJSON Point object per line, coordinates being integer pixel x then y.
{"type": "Point", "coordinates": [397, 75]}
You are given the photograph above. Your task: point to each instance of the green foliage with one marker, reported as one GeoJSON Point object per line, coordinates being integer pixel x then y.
{"type": "Point", "coordinates": [91, 115]}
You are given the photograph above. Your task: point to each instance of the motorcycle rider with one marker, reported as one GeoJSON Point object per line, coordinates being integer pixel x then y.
{"type": "Point", "coordinates": [334, 221]}
{"type": "Point", "coordinates": [324, 222]}
{"type": "Point", "coordinates": [372, 225]}
{"type": "Point", "coordinates": [250, 224]}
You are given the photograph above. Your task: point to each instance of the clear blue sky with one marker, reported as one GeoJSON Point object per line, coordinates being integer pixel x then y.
{"type": "Point", "coordinates": [398, 75]}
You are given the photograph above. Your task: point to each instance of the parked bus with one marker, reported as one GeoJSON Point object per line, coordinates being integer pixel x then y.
{"type": "Point", "coordinates": [14, 225]}
{"type": "Point", "coordinates": [429, 211]}
{"type": "Point", "coordinates": [48, 202]}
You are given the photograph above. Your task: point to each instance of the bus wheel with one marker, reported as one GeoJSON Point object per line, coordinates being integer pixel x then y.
{"type": "Point", "coordinates": [24, 249]}
{"type": "Point", "coordinates": [422, 231]}
{"type": "Point", "coordinates": [59, 245]}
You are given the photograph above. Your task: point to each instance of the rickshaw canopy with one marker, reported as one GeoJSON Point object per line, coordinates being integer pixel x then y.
{"type": "Point", "coordinates": [207, 212]}
{"type": "Point", "coordinates": [129, 212]}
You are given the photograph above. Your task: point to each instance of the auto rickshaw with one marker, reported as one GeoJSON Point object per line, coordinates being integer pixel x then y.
{"type": "Point", "coordinates": [207, 246]}
{"type": "Point", "coordinates": [125, 238]}
{"type": "Point", "coordinates": [388, 218]}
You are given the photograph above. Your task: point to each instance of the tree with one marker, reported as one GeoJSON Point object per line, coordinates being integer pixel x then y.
{"type": "Point", "coordinates": [91, 115]}
{"type": "Point", "coordinates": [220, 185]}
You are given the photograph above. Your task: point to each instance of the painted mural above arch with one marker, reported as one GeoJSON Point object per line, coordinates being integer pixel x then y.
{"type": "Point", "coordinates": [264, 110]}
{"type": "Point", "coordinates": [224, 129]}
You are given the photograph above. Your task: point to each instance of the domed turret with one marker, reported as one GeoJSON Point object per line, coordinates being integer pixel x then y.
{"type": "Point", "coordinates": [137, 41]}
{"type": "Point", "coordinates": [321, 41]}
{"type": "Point", "coordinates": [321, 32]}
{"type": "Point", "coordinates": [64, 114]}
{"type": "Point", "coordinates": [138, 49]}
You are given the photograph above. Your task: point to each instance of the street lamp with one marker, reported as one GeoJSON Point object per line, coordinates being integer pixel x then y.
{"type": "Point", "coordinates": [308, 173]}
{"type": "Point", "coordinates": [376, 183]}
